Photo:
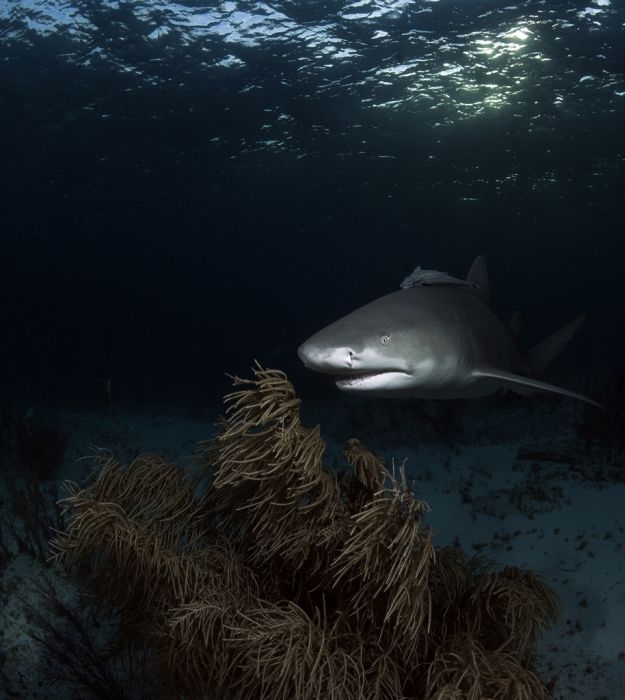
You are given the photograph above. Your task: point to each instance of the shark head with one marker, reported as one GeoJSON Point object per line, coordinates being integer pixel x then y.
{"type": "Point", "coordinates": [370, 363]}
{"type": "Point", "coordinates": [386, 348]}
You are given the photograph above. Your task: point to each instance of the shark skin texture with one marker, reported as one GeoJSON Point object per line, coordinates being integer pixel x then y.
{"type": "Point", "coordinates": [435, 338]}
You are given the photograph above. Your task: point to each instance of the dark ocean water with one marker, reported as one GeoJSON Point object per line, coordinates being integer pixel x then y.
{"type": "Point", "coordinates": [189, 187]}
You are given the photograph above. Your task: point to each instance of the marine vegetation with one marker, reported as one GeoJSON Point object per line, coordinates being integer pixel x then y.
{"type": "Point", "coordinates": [270, 576]}
{"type": "Point", "coordinates": [32, 448]}
{"type": "Point", "coordinates": [31, 441]}
{"type": "Point", "coordinates": [606, 429]}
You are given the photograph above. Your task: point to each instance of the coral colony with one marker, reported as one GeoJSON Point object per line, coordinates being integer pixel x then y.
{"type": "Point", "coordinates": [271, 576]}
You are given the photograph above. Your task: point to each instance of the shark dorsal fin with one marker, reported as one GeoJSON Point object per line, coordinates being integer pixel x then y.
{"type": "Point", "coordinates": [478, 278]}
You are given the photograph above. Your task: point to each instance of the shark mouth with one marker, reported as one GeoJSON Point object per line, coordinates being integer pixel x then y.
{"type": "Point", "coordinates": [347, 379]}
{"type": "Point", "coordinates": [365, 380]}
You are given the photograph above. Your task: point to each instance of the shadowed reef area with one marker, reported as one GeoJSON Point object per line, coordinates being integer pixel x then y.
{"type": "Point", "coordinates": [264, 574]}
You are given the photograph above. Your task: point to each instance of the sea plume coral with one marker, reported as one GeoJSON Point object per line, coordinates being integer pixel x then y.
{"type": "Point", "coordinates": [271, 576]}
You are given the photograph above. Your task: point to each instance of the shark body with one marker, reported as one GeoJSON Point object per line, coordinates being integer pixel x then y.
{"type": "Point", "coordinates": [435, 338]}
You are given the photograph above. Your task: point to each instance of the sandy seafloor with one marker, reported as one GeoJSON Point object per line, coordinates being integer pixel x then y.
{"type": "Point", "coordinates": [513, 484]}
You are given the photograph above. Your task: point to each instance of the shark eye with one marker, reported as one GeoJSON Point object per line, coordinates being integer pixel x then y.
{"type": "Point", "coordinates": [385, 339]}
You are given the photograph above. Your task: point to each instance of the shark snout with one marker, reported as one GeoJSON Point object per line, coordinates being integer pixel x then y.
{"type": "Point", "coordinates": [324, 359]}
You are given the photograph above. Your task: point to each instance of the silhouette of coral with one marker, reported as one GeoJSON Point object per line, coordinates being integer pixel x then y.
{"type": "Point", "coordinates": [605, 426]}
{"type": "Point", "coordinates": [39, 443]}
{"type": "Point", "coordinates": [74, 653]}
{"type": "Point", "coordinates": [271, 576]}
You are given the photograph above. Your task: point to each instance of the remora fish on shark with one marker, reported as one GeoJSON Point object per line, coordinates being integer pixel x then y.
{"type": "Point", "coordinates": [435, 338]}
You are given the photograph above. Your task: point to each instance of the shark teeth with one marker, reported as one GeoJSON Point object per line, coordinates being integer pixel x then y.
{"type": "Point", "coordinates": [357, 378]}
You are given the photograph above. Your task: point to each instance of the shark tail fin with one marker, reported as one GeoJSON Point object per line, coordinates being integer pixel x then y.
{"type": "Point", "coordinates": [514, 326]}
{"type": "Point", "coordinates": [542, 355]}
{"type": "Point", "coordinates": [478, 277]}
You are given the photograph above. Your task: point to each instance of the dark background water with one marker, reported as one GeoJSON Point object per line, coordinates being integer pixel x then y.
{"type": "Point", "coordinates": [185, 190]}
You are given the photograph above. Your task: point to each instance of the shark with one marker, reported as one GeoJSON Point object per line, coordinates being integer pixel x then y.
{"type": "Point", "coordinates": [437, 337]}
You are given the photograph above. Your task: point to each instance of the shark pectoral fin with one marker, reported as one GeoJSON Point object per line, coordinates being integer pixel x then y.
{"type": "Point", "coordinates": [525, 385]}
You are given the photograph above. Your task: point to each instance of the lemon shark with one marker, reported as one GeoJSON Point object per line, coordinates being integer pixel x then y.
{"type": "Point", "coordinates": [435, 338]}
